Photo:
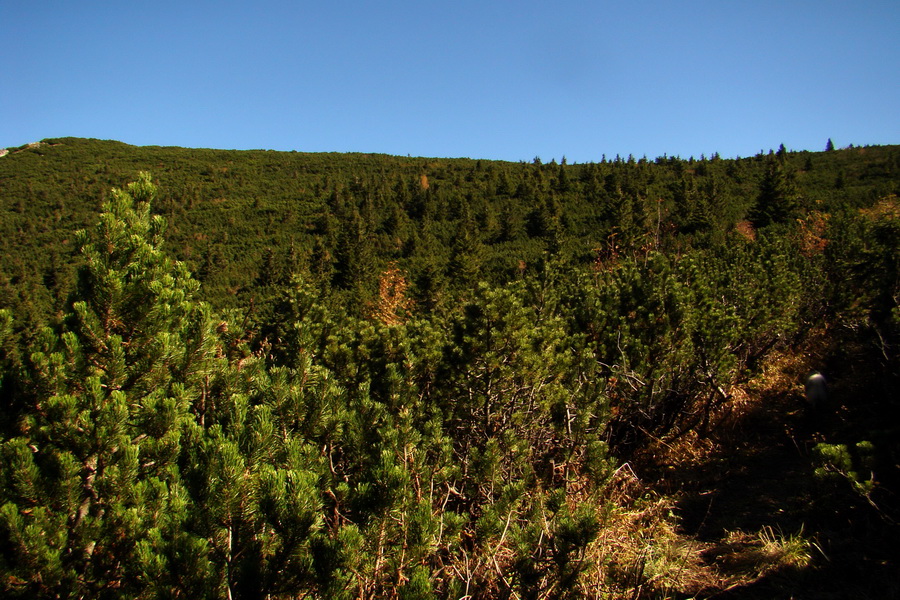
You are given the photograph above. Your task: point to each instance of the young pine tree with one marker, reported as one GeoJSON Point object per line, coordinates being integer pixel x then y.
{"type": "Point", "coordinates": [90, 499]}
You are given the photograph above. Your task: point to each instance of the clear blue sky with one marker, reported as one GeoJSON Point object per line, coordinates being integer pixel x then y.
{"type": "Point", "coordinates": [484, 79]}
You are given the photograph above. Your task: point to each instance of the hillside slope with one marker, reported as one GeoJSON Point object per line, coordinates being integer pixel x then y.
{"type": "Point", "coordinates": [244, 219]}
{"type": "Point", "coordinates": [364, 376]}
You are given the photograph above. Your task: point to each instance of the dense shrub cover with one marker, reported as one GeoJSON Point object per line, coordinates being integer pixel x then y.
{"type": "Point", "coordinates": [427, 391]}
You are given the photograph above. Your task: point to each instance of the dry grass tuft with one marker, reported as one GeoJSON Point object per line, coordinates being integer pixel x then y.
{"type": "Point", "coordinates": [638, 552]}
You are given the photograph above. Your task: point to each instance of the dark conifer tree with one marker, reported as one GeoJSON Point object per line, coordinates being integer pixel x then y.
{"type": "Point", "coordinates": [778, 199]}
{"type": "Point", "coordinates": [467, 251]}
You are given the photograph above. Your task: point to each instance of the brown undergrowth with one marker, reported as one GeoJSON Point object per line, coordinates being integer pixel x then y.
{"type": "Point", "coordinates": [750, 519]}
{"type": "Point", "coordinates": [670, 531]}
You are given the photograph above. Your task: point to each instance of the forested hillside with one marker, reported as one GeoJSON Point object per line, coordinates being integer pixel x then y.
{"type": "Point", "coordinates": [279, 375]}
{"type": "Point", "coordinates": [242, 221]}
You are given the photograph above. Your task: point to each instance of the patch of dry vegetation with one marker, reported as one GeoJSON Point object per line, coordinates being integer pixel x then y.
{"type": "Point", "coordinates": [674, 563]}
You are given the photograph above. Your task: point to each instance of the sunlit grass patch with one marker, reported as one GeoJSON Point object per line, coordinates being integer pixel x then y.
{"type": "Point", "coordinates": [743, 557]}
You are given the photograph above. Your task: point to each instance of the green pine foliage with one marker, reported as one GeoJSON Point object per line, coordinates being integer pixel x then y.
{"type": "Point", "coordinates": [401, 378]}
{"type": "Point", "coordinates": [93, 476]}
{"type": "Point", "coordinates": [240, 220]}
